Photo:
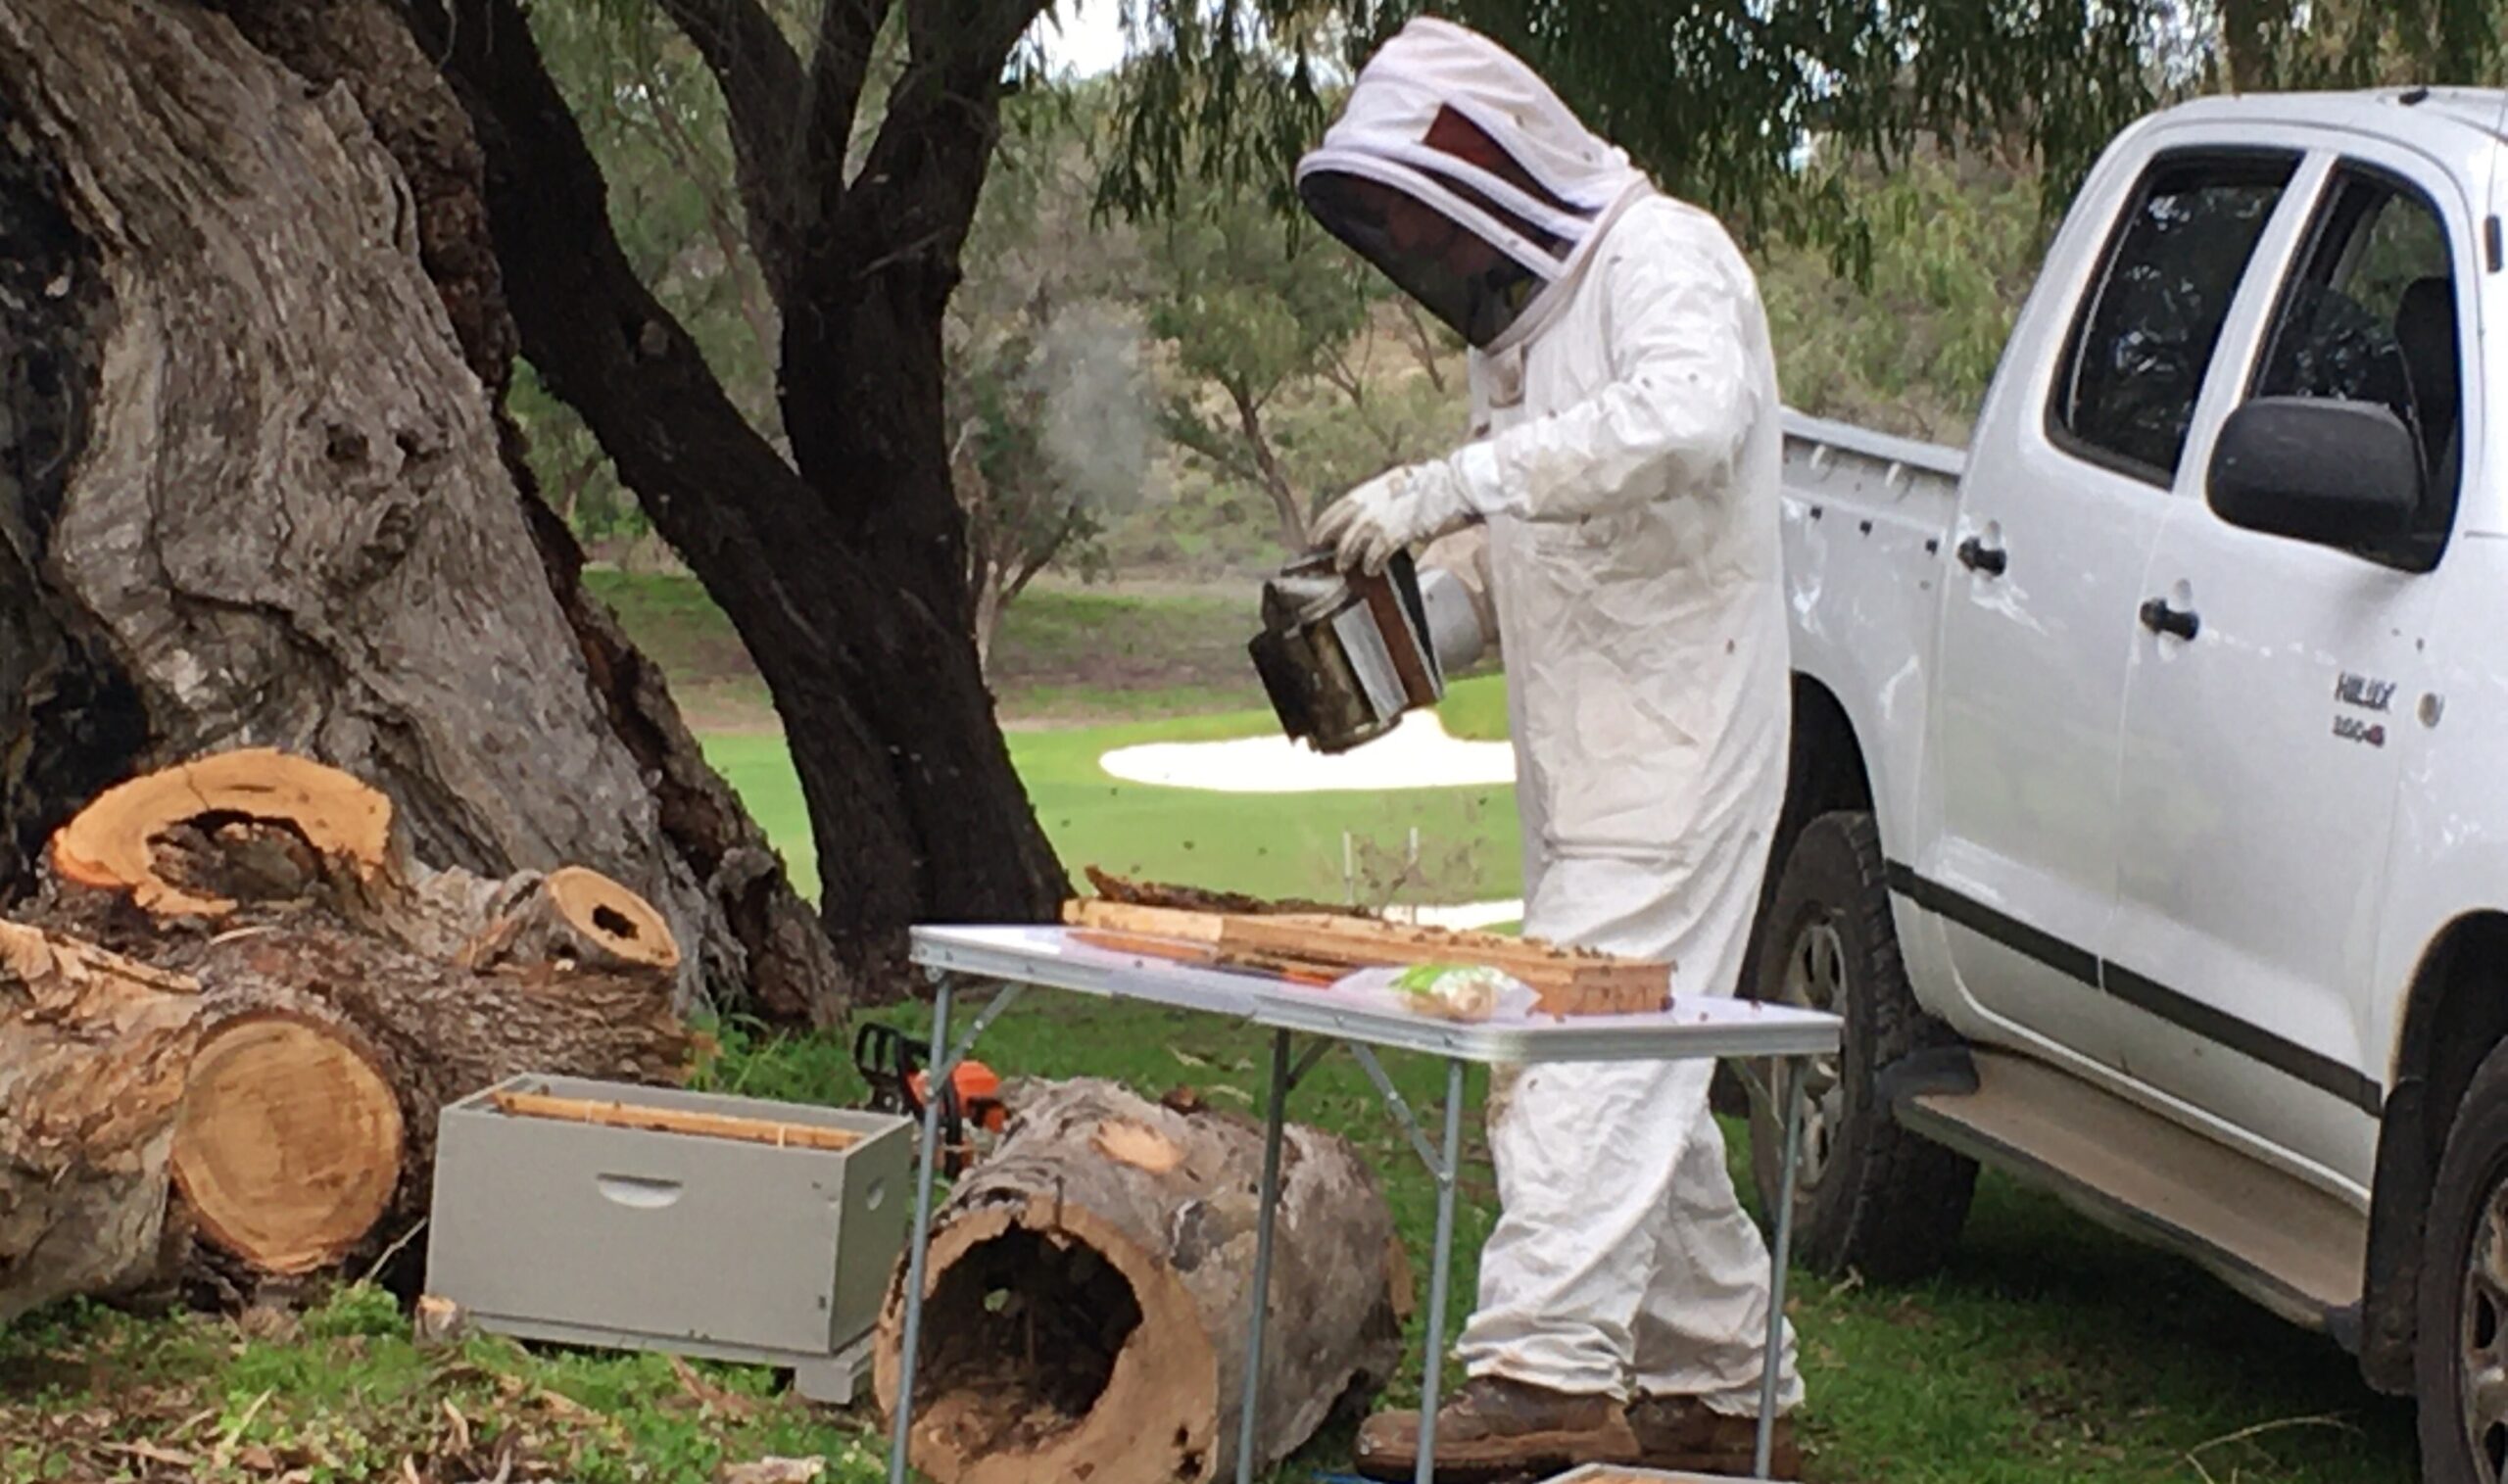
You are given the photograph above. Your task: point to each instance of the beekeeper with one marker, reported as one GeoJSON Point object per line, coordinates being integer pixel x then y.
{"type": "Point", "coordinates": [1620, 488]}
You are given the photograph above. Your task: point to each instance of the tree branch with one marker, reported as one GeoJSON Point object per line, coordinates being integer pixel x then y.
{"type": "Point", "coordinates": [945, 115]}
{"type": "Point", "coordinates": [840, 67]}
{"type": "Point", "coordinates": [762, 89]}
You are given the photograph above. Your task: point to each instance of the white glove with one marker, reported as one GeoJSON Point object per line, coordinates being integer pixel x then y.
{"type": "Point", "coordinates": [1368, 525]}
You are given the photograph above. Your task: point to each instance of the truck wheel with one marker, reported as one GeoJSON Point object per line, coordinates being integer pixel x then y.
{"type": "Point", "coordinates": [1869, 1195]}
{"type": "Point", "coordinates": [2460, 1344]}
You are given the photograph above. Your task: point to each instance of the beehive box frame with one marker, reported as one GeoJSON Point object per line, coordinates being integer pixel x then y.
{"type": "Point", "coordinates": [624, 1216]}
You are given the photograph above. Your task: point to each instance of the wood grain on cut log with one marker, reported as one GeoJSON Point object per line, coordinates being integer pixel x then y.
{"type": "Point", "coordinates": [433, 1031]}
{"type": "Point", "coordinates": [94, 1053]}
{"type": "Point", "coordinates": [1089, 1288]}
{"type": "Point", "coordinates": [289, 1148]}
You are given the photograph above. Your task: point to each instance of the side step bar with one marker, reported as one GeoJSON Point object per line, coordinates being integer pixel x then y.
{"type": "Point", "coordinates": [2283, 1243]}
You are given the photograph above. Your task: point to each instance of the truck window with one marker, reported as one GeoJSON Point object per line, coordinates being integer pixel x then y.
{"type": "Point", "coordinates": [2370, 316]}
{"type": "Point", "coordinates": [2141, 345]}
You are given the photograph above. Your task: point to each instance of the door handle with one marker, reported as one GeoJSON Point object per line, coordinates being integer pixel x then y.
{"type": "Point", "coordinates": [1977, 557]}
{"type": "Point", "coordinates": [2160, 618]}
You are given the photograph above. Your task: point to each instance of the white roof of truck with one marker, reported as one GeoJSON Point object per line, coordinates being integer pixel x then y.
{"type": "Point", "coordinates": [2446, 119]}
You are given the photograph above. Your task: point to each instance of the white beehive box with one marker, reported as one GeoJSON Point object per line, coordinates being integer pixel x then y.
{"type": "Point", "coordinates": [758, 1248]}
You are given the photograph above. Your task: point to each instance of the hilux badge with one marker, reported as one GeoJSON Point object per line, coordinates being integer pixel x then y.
{"type": "Point", "coordinates": [2362, 691]}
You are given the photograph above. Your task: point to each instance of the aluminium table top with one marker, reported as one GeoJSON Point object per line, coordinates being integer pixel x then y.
{"type": "Point", "coordinates": [1053, 958]}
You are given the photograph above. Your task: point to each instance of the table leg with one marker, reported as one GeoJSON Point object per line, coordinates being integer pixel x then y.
{"type": "Point", "coordinates": [1777, 1261]}
{"type": "Point", "coordinates": [1249, 1405]}
{"type": "Point", "coordinates": [1439, 1260]}
{"type": "Point", "coordinates": [919, 1241]}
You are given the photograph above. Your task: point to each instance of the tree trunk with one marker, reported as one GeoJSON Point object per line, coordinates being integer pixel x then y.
{"type": "Point", "coordinates": [94, 1053]}
{"type": "Point", "coordinates": [856, 619]}
{"type": "Point", "coordinates": [257, 495]}
{"type": "Point", "coordinates": [1087, 1290]}
{"type": "Point", "coordinates": [1275, 479]}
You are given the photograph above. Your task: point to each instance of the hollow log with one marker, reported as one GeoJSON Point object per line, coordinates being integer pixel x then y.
{"type": "Point", "coordinates": [1087, 1293]}
{"type": "Point", "coordinates": [94, 1053]}
{"type": "Point", "coordinates": [256, 834]}
{"type": "Point", "coordinates": [575, 917]}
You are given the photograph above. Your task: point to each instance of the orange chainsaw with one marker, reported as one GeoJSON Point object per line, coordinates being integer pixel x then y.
{"type": "Point", "coordinates": [971, 1100]}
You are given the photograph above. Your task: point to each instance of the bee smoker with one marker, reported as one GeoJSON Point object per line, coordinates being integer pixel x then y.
{"type": "Point", "coordinates": [1343, 655]}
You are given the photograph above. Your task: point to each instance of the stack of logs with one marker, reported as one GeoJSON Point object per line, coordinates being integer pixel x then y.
{"type": "Point", "coordinates": [232, 1010]}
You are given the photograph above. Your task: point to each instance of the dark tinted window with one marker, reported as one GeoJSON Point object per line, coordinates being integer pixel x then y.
{"type": "Point", "coordinates": [2371, 316]}
{"type": "Point", "coordinates": [2146, 335]}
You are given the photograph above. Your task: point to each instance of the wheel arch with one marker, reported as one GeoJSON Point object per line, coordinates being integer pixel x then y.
{"type": "Point", "coordinates": [2454, 1014]}
{"type": "Point", "coordinates": [1824, 771]}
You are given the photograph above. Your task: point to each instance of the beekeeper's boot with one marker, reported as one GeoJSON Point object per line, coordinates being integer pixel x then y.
{"type": "Point", "coordinates": [1499, 1429]}
{"type": "Point", "coordinates": [1680, 1435]}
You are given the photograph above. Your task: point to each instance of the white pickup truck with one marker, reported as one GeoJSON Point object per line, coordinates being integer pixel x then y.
{"type": "Point", "coordinates": [2148, 811]}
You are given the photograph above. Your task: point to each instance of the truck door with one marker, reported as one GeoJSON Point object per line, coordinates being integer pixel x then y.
{"type": "Point", "coordinates": [2261, 756]}
{"type": "Point", "coordinates": [2062, 506]}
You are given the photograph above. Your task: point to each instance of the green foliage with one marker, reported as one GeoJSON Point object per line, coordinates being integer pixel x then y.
{"type": "Point", "coordinates": [1296, 371]}
{"type": "Point", "coordinates": [1756, 110]}
{"type": "Point", "coordinates": [1912, 348]}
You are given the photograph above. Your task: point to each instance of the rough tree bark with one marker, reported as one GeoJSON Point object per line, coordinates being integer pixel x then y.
{"type": "Point", "coordinates": [254, 491]}
{"type": "Point", "coordinates": [846, 578]}
{"type": "Point", "coordinates": [94, 1052]}
{"type": "Point", "coordinates": [1089, 1288]}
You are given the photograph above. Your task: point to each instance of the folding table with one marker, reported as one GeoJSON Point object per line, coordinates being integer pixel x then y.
{"type": "Point", "coordinates": [1017, 958]}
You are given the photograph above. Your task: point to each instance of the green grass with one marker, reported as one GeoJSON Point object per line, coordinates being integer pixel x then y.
{"type": "Point", "coordinates": [1270, 845]}
{"type": "Point", "coordinates": [345, 1393]}
{"type": "Point", "coordinates": [1062, 655]}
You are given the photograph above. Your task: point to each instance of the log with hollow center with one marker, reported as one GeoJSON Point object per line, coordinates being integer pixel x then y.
{"type": "Point", "coordinates": [1087, 1293]}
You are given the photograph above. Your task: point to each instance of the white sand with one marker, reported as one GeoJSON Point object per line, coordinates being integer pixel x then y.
{"type": "Point", "coordinates": [1416, 754]}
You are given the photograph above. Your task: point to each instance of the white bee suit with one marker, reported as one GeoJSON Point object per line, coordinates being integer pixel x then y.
{"type": "Point", "coordinates": [1625, 466]}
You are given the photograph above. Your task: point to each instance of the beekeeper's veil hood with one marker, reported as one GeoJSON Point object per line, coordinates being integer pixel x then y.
{"type": "Point", "coordinates": [1456, 171]}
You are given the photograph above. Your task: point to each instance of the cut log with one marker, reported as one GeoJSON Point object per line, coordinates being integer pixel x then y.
{"type": "Point", "coordinates": [257, 835]}
{"type": "Point", "coordinates": [1088, 1286]}
{"type": "Point", "coordinates": [428, 1031]}
{"type": "Point", "coordinates": [289, 1146]}
{"type": "Point", "coordinates": [190, 840]}
{"type": "Point", "coordinates": [576, 918]}
{"type": "Point", "coordinates": [94, 1053]}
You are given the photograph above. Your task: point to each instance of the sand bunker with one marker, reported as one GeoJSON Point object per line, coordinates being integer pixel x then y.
{"type": "Point", "coordinates": [1416, 754]}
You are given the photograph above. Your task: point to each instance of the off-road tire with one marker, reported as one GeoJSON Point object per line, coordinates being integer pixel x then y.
{"type": "Point", "coordinates": [1888, 1204]}
{"type": "Point", "coordinates": [2471, 1180]}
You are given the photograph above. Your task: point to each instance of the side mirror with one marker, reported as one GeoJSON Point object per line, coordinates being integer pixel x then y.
{"type": "Point", "coordinates": [2344, 474]}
